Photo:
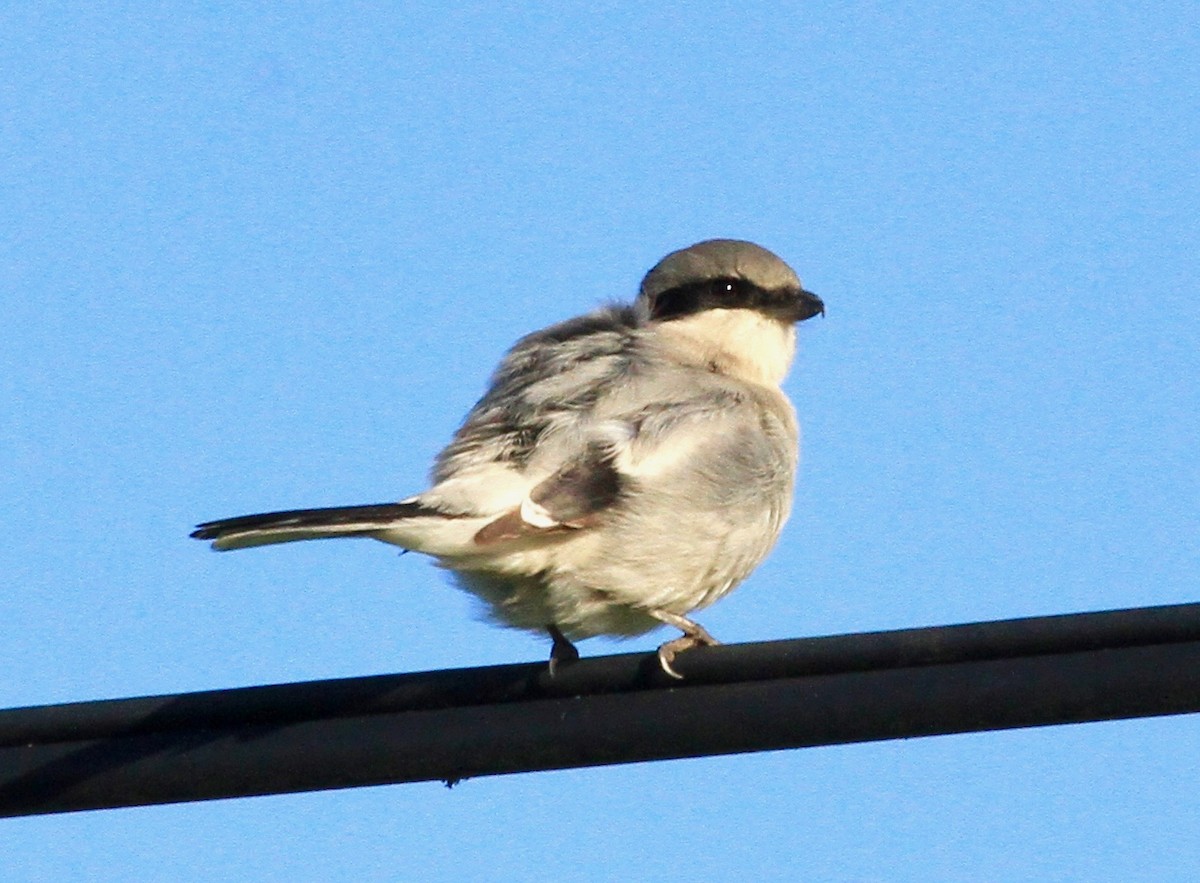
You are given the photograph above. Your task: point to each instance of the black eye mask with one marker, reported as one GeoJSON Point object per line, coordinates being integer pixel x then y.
{"type": "Point", "coordinates": [786, 304]}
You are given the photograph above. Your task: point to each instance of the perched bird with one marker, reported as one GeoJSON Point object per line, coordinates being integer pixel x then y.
{"type": "Point", "coordinates": [623, 469]}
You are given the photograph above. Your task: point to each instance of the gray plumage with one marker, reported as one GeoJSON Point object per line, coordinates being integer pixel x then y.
{"type": "Point", "coordinates": [623, 469]}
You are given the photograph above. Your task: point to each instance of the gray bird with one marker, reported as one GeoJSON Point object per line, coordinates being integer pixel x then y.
{"type": "Point", "coordinates": [624, 468]}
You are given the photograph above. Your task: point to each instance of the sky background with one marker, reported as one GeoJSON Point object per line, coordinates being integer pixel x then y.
{"type": "Point", "coordinates": [262, 256]}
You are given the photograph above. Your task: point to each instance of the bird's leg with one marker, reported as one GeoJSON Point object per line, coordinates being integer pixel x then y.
{"type": "Point", "coordinates": [694, 635]}
{"type": "Point", "coordinates": [563, 650]}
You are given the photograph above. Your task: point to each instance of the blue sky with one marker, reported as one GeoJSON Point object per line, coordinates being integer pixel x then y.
{"type": "Point", "coordinates": [256, 258]}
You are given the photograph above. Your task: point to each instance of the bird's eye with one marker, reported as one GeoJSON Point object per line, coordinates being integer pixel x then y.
{"type": "Point", "coordinates": [731, 293]}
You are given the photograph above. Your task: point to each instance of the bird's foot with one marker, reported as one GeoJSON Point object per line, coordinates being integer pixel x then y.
{"type": "Point", "coordinates": [694, 635]}
{"type": "Point", "coordinates": [562, 651]}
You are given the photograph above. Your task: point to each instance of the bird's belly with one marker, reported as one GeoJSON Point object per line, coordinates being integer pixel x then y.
{"type": "Point", "coordinates": [591, 584]}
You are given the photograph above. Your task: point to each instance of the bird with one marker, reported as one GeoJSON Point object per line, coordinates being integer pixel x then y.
{"type": "Point", "coordinates": [623, 469]}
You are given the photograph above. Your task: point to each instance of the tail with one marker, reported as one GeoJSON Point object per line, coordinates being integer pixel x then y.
{"type": "Point", "coordinates": [306, 524]}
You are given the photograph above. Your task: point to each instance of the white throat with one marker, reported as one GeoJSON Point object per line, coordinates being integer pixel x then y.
{"type": "Point", "coordinates": [741, 343]}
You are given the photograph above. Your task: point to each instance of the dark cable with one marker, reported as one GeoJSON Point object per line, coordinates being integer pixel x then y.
{"type": "Point", "coordinates": [455, 724]}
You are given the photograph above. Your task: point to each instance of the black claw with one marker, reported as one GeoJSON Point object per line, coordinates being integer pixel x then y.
{"type": "Point", "coordinates": [563, 651]}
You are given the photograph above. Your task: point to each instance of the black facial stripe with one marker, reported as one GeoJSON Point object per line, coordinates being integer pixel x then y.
{"type": "Point", "coordinates": [726, 293]}
{"type": "Point", "coordinates": [731, 293]}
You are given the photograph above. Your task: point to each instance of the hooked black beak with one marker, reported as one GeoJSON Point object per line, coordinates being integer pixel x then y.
{"type": "Point", "coordinates": [808, 305]}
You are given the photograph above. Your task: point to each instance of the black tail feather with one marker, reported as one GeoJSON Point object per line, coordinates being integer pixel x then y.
{"type": "Point", "coordinates": [383, 513]}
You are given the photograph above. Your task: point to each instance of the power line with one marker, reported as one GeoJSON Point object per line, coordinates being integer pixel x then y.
{"type": "Point", "coordinates": [456, 724]}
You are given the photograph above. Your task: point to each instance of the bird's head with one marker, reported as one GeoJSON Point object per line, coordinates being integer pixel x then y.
{"type": "Point", "coordinates": [732, 304]}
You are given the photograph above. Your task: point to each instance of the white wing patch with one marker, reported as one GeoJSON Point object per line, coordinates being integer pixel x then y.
{"type": "Point", "coordinates": [536, 516]}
